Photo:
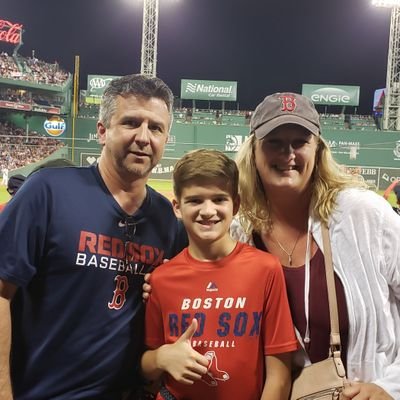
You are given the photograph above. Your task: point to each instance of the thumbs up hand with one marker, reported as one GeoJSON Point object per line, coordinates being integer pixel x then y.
{"type": "Point", "coordinates": [180, 360]}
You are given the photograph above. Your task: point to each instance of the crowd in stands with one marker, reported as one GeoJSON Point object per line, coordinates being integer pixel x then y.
{"type": "Point", "coordinates": [28, 97]}
{"type": "Point", "coordinates": [348, 121]}
{"type": "Point", "coordinates": [242, 117]}
{"type": "Point", "coordinates": [17, 148]}
{"type": "Point", "coordinates": [88, 110]}
{"type": "Point", "coordinates": [31, 69]}
{"type": "Point", "coordinates": [15, 96]}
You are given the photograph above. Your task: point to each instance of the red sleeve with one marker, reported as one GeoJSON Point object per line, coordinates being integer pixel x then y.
{"type": "Point", "coordinates": [279, 335]}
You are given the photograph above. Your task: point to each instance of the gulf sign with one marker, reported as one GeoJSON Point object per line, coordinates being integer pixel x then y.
{"type": "Point", "coordinates": [332, 95]}
{"type": "Point", "coordinates": [54, 126]}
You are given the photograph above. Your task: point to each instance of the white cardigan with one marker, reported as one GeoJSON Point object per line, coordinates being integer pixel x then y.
{"type": "Point", "coordinates": [365, 240]}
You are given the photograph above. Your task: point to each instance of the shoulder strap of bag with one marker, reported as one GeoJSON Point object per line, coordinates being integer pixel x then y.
{"type": "Point", "coordinates": [330, 280]}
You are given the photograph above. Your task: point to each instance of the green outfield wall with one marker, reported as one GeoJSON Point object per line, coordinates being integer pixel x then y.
{"type": "Point", "coordinates": [374, 154]}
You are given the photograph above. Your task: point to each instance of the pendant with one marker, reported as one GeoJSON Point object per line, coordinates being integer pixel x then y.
{"type": "Point", "coordinates": [290, 260]}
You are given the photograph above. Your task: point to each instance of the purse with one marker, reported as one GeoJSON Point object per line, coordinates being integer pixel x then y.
{"type": "Point", "coordinates": [324, 379]}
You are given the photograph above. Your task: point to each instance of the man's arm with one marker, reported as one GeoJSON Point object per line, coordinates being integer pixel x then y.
{"type": "Point", "coordinates": [278, 378]}
{"type": "Point", "coordinates": [179, 359]}
{"type": "Point", "coordinates": [7, 291]}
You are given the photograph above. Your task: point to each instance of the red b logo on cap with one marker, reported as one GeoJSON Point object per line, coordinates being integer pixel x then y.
{"type": "Point", "coordinates": [288, 103]}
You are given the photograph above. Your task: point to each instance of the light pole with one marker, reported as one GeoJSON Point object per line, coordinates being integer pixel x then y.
{"type": "Point", "coordinates": [391, 112]}
{"type": "Point", "coordinates": [149, 38]}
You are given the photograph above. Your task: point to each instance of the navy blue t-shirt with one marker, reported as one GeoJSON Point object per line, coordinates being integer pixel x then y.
{"type": "Point", "coordinates": [79, 262]}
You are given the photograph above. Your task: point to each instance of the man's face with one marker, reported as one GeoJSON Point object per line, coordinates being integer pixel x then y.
{"type": "Point", "coordinates": [135, 140]}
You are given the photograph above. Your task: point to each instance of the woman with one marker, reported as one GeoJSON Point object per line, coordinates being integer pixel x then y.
{"type": "Point", "coordinates": [289, 185]}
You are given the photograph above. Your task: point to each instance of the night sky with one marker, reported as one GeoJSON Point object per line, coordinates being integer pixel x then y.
{"type": "Point", "coordinates": [264, 45]}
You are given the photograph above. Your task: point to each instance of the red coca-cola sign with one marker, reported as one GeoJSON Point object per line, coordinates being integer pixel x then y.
{"type": "Point", "coordinates": [10, 32]}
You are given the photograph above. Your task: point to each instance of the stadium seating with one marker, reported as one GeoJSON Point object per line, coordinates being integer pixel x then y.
{"type": "Point", "coordinates": [31, 69]}
{"type": "Point", "coordinates": [18, 149]}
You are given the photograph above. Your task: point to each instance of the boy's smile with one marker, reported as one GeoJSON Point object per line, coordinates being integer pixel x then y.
{"type": "Point", "coordinates": [207, 211]}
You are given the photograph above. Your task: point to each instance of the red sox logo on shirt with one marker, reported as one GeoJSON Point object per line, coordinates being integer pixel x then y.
{"type": "Point", "coordinates": [213, 374]}
{"type": "Point", "coordinates": [288, 103]}
{"type": "Point", "coordinates": [104, 252]}
{"type": "Point", "coordinates": [119, 298]}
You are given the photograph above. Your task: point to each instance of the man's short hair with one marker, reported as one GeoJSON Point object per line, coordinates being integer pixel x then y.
{"type": "Point", "coordinates": [133, 85]}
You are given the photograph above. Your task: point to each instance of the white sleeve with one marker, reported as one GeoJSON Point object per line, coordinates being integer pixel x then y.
{"type": "Point", "coordinates": [391, 271]}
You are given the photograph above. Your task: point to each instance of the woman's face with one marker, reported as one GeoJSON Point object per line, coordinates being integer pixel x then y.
{"type": "Point", "coordinates": [285, 158]}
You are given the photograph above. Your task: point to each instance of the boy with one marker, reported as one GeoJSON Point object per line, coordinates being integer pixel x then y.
{"type": "Point", "coordinates": [218, 314]}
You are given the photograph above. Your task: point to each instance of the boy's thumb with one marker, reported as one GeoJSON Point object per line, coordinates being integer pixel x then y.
{"type": "Point", "coordinates": [190, 331]}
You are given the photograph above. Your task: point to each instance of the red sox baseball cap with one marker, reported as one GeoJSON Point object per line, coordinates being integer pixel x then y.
{"type": "Point", "coordinates": [284, 108]}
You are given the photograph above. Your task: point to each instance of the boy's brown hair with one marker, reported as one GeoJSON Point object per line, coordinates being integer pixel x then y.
{"type": "Point", "coordinates": [206, 165]}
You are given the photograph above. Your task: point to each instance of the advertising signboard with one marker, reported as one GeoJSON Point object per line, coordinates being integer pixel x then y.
{"type": "Point", "coordinates": [332, 95]}
{"type": "Point", "coordinates": [208, 90]}
{"type": "Point", "coordinates": [96, 84]}
{"type": "Point", "coordinates": [54, 126]}
{"type": "Point", "coordinates": [15, 106]}
{"type": "Point", "coordinates": [10, 32]}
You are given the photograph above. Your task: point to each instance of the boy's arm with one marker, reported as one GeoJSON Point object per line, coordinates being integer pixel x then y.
{"type": "Point", "coordinates": [179, 359]}
{"type": "Point", "coordinates": [7, 291]}
{"type": "Point", "coordinates": [278, 377]}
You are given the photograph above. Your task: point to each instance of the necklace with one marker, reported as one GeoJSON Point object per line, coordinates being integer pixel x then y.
{"type": "Point", "coordinates": [285, 251]}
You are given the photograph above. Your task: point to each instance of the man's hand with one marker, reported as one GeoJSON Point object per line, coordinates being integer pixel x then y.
{"type": "Point", "coordinates": [180, 360]}
{"type": "Point", "coordinates": [364, 391]}
{"type": "Point", "coordinates": [146, 287]}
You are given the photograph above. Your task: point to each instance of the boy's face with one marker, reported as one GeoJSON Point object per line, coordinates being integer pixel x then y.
{"type": "Point", "coordinates": [206, 210]}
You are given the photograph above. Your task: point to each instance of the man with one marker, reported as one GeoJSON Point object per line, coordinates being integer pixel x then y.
{"type": "Point", "coordinates": [13, 185]}
{"type": "Point", "coordinates": [75, 244]}
{"type": "Point", "coordinates": [4, 172]}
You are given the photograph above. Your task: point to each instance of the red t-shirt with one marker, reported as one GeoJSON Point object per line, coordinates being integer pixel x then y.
{"type": "Point", "coordinates": [241, 306]}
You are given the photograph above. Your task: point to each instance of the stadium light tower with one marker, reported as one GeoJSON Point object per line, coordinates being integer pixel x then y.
{"type": "Point", "coordinates": [391, 115]}
{"type": "Point", "coordinates": [149, 37]}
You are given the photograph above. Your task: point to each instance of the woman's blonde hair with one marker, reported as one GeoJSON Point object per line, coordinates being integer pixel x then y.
{"type": "Point", "coordinates": [328, 179]}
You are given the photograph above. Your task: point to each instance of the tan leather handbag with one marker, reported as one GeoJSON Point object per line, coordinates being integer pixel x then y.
{"type": "Point", "coordinates": [325, 379]}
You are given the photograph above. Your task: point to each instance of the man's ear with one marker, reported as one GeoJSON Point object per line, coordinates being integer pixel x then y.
{"type": "Point", "coordinates": [176, 207]}
{"type": "Point", "coordinates": [101, 132]}
{"type": "Point", "coordinates": [236, 204]}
